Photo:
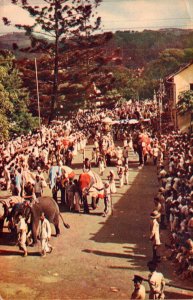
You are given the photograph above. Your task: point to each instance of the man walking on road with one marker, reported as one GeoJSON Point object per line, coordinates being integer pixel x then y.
{"type": "Point", "coordinates": [22, 234]}
{"type": "Point", "coordinates": [156, 282]}
{"type": "Point", "coordinates": [155, 234]}
{"type": "Point", "coordinates": [44, 235]}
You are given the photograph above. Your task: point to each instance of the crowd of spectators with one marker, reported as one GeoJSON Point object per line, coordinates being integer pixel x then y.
{"type": "Point", "coordinates": [173, 203]}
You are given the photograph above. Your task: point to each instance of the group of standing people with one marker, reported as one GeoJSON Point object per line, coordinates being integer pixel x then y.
{"type": "Point", "coordinates": [173, 210]}
{"type": "Point", "coordinates": [174, 201]}
{"type": "Point", "coordinates": [44, 234]}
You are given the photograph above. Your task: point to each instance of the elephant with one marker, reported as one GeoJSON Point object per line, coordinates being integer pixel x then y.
{"type": "Point", "coordinates": [141, 145]}
{"type": "Point", "coordinates": [90, 184]}
{"type": "Point", "coordinates": [32, 214]}
{"type": "Point", "coordinates": [3, 213]}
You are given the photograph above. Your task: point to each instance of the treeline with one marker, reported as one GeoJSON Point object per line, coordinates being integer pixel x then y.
{"type": "Point", "coordinates": [109, 68]}
{"type": "Point", "coordinates": [140, 48]}
{"type": "Point", "coordinates": [148, 56]}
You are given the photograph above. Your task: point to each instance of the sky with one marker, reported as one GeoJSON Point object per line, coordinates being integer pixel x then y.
{"type": "Point", "coordinates": [120, 14]}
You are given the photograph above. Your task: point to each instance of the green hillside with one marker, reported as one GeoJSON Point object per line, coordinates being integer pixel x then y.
{"type": "Point", "coordinates": [145, 57]}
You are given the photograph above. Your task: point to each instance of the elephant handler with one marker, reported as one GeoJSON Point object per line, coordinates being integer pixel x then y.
{"type": "Point", "coordinates": [22, 233]}
{"type": "Point", "coordinates": [44, 235]}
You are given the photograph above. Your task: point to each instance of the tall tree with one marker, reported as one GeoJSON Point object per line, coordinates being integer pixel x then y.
{"type": "Point", "coordinates": [14, 115]}
{"type": "Point", "coordinates": [58, 20]}
{"type": "Point", "coordinates": [83, 72]}
{"type": "Point", "coordinates": [129, 82]}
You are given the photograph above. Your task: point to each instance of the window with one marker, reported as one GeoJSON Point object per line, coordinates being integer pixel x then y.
{"type": "Point", "coordinates": [191, 86]}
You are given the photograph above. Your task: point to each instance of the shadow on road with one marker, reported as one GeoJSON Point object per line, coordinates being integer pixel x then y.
{"type": "Point", "coordinates": [129, 224]}
{"type": "Point", "coordinates": [16, 253]}
{"type": "Point", "coordinates": [172, 295]}
{"type": "Point", "coordinates": [7, 238]}
{"type": "Point", "coordinates": [110, 254]}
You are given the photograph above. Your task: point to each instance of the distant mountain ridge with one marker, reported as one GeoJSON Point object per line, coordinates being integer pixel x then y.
{"type": "Point", "coordinates": [16, 37]}
{"type": "Point", "coordinates": [138, 48]}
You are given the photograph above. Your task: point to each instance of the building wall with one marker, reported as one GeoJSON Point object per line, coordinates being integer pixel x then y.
{"type": "Point", "coordinates": [184, 122]}
{"type": "Point", "coordinates": [182, 82]}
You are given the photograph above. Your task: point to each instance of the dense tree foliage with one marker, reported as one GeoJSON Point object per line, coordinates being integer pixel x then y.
{"type": "Point", "coordinates": [91, 66]}
{"type": "Point", "coordinates": [140, 48]}
{"type": "Point", "coordinates": [185, 103]}
{"type": "Point", "coordinates": [59, 20]}
{"type": "Point", "coordinates": [158, 53]}
{"type": "Point", "coordinates": [14, 115]}
{"type": "Point", "coordinates": [129, 82]}
{"type": "Point", "coordinates": [83, 76]}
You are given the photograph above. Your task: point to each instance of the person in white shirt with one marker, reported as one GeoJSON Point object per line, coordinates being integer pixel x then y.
{"type": "Point", "coordinates": [126, 155]}
{"type": "Point", "coordinates": [120, 173]}
{"type": "Point", "coordinates": [119, 155]}
{"type": "Point", "coordinates": [155, 234]}
{"type": "Point", "coordinates": [101, 166]}
{"type": "Point", "coordinates": [107, 199]}
{"type": "Point", "coordinates": [126, 174]}
{"type": "Point", "coordinates": [155, 152]}
{"type": "Point", "coordinates": [22, 234]}
{"type": "Point", "coordinates": [44, 235]}
{"type": "Point", "coordinates": [38, 187]}
{"type": "Point", "coordinates": [156, 282]}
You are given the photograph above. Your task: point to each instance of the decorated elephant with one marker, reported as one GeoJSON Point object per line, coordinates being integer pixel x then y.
{"type": "Point", "coordinates": [141, 145]}
{"type": "Point", "coordinates": [32, 214]}
{"type": "Point", "coordinates": [91, 185]}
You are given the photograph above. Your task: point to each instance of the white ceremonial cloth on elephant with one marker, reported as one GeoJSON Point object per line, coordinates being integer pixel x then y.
{"type": "Point", "coordinates": [67, 169]}
{"type": "Point", "coordinates": [53, 173]}
{"type": "Point", "coordinates": [97, 188]}
{"type": "Point", "coordinates": [28, 177]}
{"type": "Point", "coordinates": [16, 199]}
{"type": "Point", "coordinates": [2, 210]}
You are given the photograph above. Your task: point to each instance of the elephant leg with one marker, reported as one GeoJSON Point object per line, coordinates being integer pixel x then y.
{"type": "Point", "coordinates": [56, 224]}
{"type": "Point", "coordinates": [85, 204]}
{"type": "Point", "coordinates": [145, 159]}
{"type": "Point", "coordinates": [34, 231]}
{"type": "Point", "coordinates": [1, 225]}
{"type": "Point", "coordinates": [140, 157]}
{"type": "Point", "coordinates": [94, 204]}
{"type": "Point", "coordinates": [57, 229]}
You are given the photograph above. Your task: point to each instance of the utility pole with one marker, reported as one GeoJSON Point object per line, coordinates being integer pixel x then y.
{"type": "Point", "coordinates": [161, 94]}
{"type": "Point", "coordinates": [38, 97]}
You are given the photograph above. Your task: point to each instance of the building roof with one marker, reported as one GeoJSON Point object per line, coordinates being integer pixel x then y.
{"type": "Point", "coordinates": [179, 71]}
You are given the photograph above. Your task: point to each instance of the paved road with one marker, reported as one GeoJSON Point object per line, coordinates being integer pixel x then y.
{"type": "Point", "coordinates": [97, 257]}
